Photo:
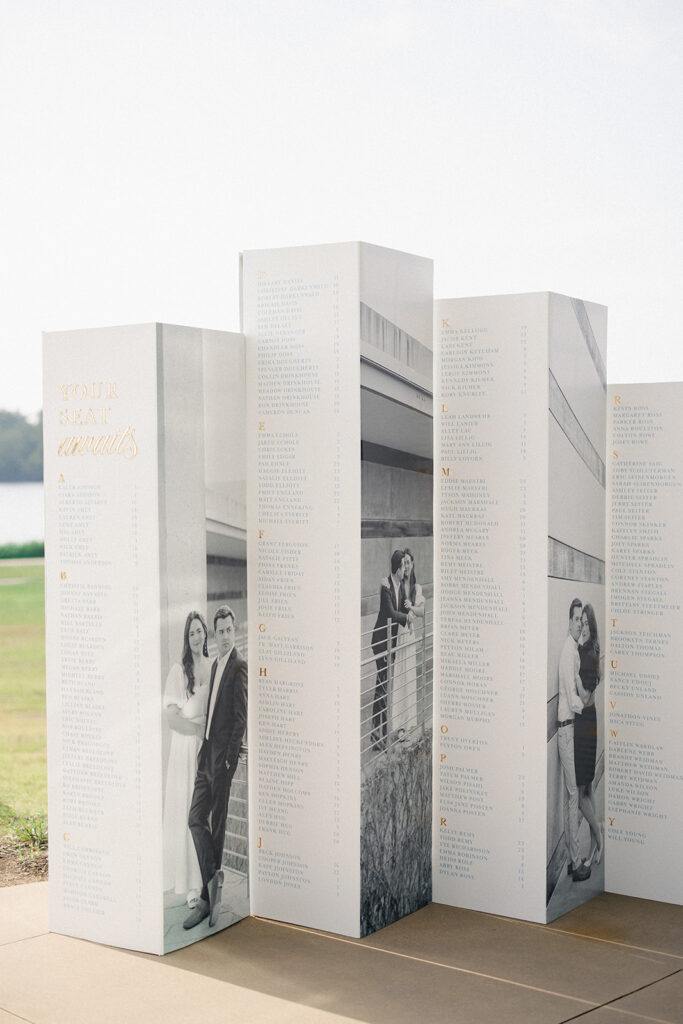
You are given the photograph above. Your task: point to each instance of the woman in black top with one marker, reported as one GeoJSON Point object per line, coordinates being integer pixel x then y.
{"type": "Point", "coordinates": [586, 728]}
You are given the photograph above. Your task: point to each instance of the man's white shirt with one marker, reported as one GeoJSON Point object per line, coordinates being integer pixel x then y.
{"type": "Point", "coordinates": [397, 589]}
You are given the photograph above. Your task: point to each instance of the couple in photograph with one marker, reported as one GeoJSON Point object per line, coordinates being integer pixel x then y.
{"type": "Point", "coordinates": [401, 602]}
{"type": "Point", "coordinates": [206, 709]}
{"type": "Point", "coordinates": [579, 675]}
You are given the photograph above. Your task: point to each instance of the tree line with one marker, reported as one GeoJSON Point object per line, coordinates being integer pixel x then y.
{"type": "Point", "coordinates": [21, 448]}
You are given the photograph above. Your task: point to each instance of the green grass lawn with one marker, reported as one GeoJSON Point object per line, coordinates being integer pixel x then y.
{"type": "Point", "coordinates": [23, 761]}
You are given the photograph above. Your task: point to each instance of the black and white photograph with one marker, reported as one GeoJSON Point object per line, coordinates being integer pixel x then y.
{"type": "Point", "coordinates": [397, 623]}
{"type": "Point", "coordinates": [575, 869]}
{"type": "Point", "coordinates": [204, 699]}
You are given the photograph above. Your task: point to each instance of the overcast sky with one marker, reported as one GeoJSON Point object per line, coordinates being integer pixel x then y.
{"type": "Point", "coordinates": [523, 144]}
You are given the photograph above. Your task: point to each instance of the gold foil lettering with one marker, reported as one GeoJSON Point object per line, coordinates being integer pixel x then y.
{"type": "Point", "coordinates": [443, 823]}
{"type": "Point", "coordinates": [445, 471]}
{"type": "Point", "coordinates": [263, 671]}
{"type": "Point", "coordinates": [83, 417]}
{"type": "Point", "coordinates": [96, 389]}
{"type": "Point", "coordinates": [103, 444]}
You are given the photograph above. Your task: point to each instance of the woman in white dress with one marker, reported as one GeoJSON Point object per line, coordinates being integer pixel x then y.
{"type": "Point", "coordinates": [185, 701]}
{"type": "Point", "coordinates": [404, 688]}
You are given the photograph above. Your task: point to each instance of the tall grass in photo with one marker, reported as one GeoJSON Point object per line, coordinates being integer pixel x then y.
{"type": "Point", "coordinates": [396, 834]}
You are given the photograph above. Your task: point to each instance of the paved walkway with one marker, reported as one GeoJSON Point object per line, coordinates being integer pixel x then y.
{"type": "Point", "coordinates": [613, 961]}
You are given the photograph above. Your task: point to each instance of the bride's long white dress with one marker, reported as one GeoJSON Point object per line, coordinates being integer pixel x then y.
{"type": "Point", "coordinates": [181, 867]}
{"type": "Point", "coordinates": [404, 675]}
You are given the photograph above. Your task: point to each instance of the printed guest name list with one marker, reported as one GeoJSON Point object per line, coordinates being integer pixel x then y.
{"type": "Point", "coordinates": [101, 592]}
{"type": "Point", "coordinates": [645, 609]}
{"type": "Point", "coordinates": [302, 397]}
{"type": "Point", "coordinates": [489, 793]}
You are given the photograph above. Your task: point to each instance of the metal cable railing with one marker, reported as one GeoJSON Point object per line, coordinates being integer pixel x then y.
{"type": "Point", "coordinates": [235, 847]}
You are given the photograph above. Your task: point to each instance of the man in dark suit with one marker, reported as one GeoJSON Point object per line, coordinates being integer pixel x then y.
{"type": "Point", "coordinates": [226, 720]}
{"type": "Point", "coordinates": [391, 603]}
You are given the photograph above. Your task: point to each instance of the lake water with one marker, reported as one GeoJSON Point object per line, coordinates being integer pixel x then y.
{"type": "Point", "coordinates": [21, 513]}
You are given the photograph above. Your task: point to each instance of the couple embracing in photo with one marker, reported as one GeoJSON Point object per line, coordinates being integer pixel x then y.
{"type": "Point", "coordinates": [579, 675]}
{"type": "Point", "coordinates": [206, 709]}
{"type": "Point", "coordinates": [401, 602]}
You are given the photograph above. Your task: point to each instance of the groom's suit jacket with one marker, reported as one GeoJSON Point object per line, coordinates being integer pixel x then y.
{"type": "Point", "coordinates": [229, 719]}
{"type": "Point", "coordinates": [388, 610]}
